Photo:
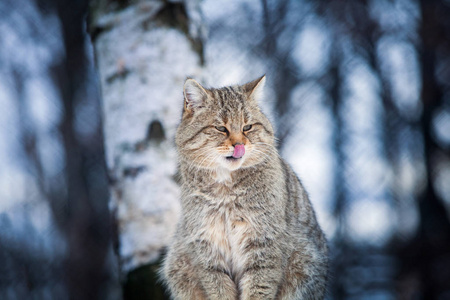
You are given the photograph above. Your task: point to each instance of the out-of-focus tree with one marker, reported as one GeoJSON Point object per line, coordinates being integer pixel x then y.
{"type": "Point", "coordinates": [144, 51]}
{"type": "Point", "coordinates": [425, 258]}
{"type": "Point", "coordinates": [422, 258]}
{"type": "Point", "coordinates": [58, 162]}
{"type": "Point", "coordinates": [281, 21]}
{"type": "Point", "coordinates": [86, 224]}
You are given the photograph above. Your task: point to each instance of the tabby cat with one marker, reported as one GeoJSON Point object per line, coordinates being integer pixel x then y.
{"type": "Point", "coordinates": [248, 230]}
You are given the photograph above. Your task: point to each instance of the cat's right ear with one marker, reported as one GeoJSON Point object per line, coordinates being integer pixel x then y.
{"type": "Point", "coordinates": [194, 95]}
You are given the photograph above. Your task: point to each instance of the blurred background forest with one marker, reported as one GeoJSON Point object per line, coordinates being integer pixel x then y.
{"type": "Point", "coordinates": [91, 94]}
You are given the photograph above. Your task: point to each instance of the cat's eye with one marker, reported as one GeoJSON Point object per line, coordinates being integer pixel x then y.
{"type": "Point", "coordinates": [247, 127]}
{"type": "Point", "coordinates": [221, 128]}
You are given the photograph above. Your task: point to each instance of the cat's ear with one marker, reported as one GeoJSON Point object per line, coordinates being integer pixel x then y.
{"type": "Point", "coordinates": [255, 88]}
{"type": "Point", "coordinates": [194, 95]}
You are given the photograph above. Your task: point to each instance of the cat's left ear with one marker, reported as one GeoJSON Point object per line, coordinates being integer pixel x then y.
{"type": "Point", "coordinates": [255, 88]}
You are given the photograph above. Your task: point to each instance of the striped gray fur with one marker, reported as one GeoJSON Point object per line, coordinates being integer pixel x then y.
{"type": "Point", "coordinates": [248, 229]}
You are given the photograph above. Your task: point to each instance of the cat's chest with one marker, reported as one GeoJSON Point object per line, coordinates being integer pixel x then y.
{"type": "Point", "coordinates": [227, 227]}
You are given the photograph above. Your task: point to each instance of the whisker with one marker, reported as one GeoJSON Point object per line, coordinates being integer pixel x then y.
{"type": "Point", "coordinates": [266, 156]}
{"type": "Point", "coordinates": [199, 156]}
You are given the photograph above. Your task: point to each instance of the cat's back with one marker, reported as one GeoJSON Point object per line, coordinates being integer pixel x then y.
{"type": "Point", "coordinates": [299, 210]}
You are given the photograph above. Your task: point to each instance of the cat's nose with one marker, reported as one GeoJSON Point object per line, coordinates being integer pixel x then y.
{"type": "Point", "coordinates": [239, 150]}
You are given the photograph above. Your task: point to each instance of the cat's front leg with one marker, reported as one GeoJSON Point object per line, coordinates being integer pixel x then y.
{"type": "Point", "coordinates": [197, 278]}
{"type": "Point", "coordinates": [181, 277]}
{"type": "Point", "coordinates": [262, 273]}
{"type": "Point", "coordinates": [305, 275]}
{"type": "Point", "coordinates": [214, 275]}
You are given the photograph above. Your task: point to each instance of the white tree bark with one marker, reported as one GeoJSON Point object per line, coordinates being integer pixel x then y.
{"type": "Point", "coordinates": [143, 56]}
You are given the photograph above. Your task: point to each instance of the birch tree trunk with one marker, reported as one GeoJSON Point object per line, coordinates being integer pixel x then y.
{"type": "Point", "coordinates": [144, 51]}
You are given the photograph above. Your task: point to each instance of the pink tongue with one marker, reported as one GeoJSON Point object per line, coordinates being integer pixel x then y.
{"type": "Point", "coordinates": [239, 151]}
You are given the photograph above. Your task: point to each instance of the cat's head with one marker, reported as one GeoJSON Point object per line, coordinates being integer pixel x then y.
{"type": "Point", "coordinates": [224, 128]}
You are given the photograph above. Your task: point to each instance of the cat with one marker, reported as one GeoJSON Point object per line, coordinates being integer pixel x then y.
{"type": "Point", "coordinates": [247, 230]}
